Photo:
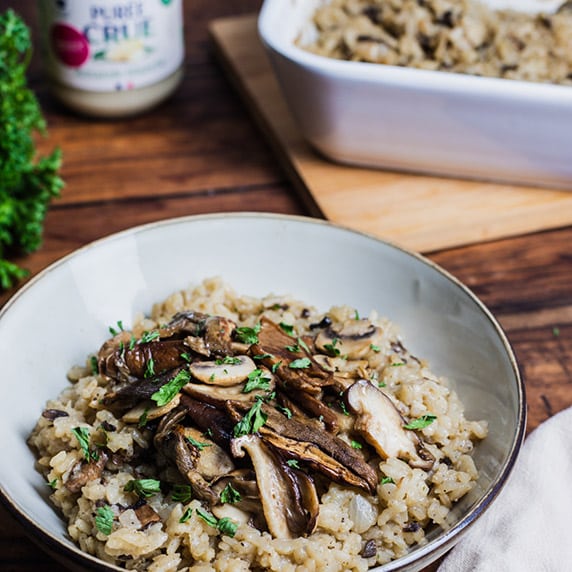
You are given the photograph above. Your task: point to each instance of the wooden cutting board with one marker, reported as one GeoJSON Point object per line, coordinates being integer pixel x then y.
{"type": "Point", "coordinates": [419, 212]}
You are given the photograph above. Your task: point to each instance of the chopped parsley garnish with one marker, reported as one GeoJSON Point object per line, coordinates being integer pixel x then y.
{"type": "Point", "coordinates": [149, 368]}
{"type": "Point", "coordinates": [170, 389]}
{"type": "Point", "coordinates": [229, 495]}
{"type": "Point", "coordinates": [93, 365]}
{"type": "Point", "coordinates": [227, 360]}
{"type": "Point", "coordinates": [200, 446]}
{"type": "Point", "coordinates": [293, 463]}
{"type": "Point", "coordinates": [302, 363]}
{"type": "Point", "coordinates": [262, 356]}
{"type": "Point", "coordinates": [143, 419]}
{"type": "Point", "coordinates": [275, 366]}
{"type": "Point", "coordinates": [303, 345]}
{"type": "Point", "coordinates": [143, 488]}
{"type": "Point", "coordinates": [387, 481]}
{"type": "Point", "coordinates": [343, 407]}
{"type": "Point", "coordinates": [104, 519]}
{"type": "Point", "coordinates": [256, 380]}
{"type": "Point", "coordinates": [332, 347]}
{"type": "Point", "coordinates": [114, 331]}
{"type": "Point", "coordinates": [82, 435]}
{"type": "Point", "coordinates": [356, 444]}
{"type": "Point", "coordinates": [182, 493]}
{"type": "Point", "coordinates": [285, 411]}
{"type": "Point", "coordinates": [288, 328]}
{"type": "Point", "coordinates": [186, 357]}
{"type": "Point", "coordinates": [186, 515]}
{"type": "Point", "coordinates": [294, 348]}
{"type": "Point", "coordinates": [381, 384]}
{"type": "Point", "coordinates": [397, 364]}
{"type": "Point", "coordinates": [53, 484]}
{"type": "Point", "coordinates": [356, 315]}
{"type": "Point", "coordinates": [148, 337]}
{"type": "Point", "coordinates": [556, 331]}
{"type": "Point", "coordinates": [421, 422]}
{"type": "Point", "coordinates": [224, 525]}
{"type": "Point", "coordinates": [252, 421]}
{"type": "Point", "coordinates": [132, 342]}
{"type": "Point", "coordinates": [248, 335]}
{"type": "Point", "coordinates": [375, 348]}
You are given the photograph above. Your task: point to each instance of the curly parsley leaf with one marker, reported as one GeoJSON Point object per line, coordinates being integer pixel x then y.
{"type": "Point", "coordinates": [421, 422]}
{"type": "Point", "coordinates": [254, 419]}
{"type": "Point", "coordinates": [104, 519]}
{"type": "Point", "coordinates": [248, 335]}
{"type": "Point", "coordinates": [168, 391]}
{"type": "Point", "coordinates": [302, 363]}
{"type": "Point", "coordinates": [224, 525]}
{"type": "Point", "coordinates": [230, 495]}
{"type": "Point", "coordinates": [256, 380]}
{"type": "Point", "coordinates": [83, 437]}
{"type": "Point", "coordinates": [143, 488]}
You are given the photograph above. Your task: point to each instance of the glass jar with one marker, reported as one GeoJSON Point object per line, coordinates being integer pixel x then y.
{"type": "Point", "coordinates": [112, 58]}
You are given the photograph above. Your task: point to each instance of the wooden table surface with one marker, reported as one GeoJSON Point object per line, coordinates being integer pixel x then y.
{"type": "Point", "coordinates": [202, 153]}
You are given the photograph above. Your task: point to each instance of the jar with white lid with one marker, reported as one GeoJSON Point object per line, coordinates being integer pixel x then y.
{"type": "Point", "coordinates": [112, 58]}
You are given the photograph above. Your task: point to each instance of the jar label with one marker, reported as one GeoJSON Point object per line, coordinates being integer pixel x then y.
{"type": "Point", "coordinates": [112, 45]}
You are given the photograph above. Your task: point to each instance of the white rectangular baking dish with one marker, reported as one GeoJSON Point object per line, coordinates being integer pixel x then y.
{"type": "Point", "coordinates": [423, 121]}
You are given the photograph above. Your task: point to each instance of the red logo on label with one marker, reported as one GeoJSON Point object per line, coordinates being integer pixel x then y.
{"type": "Point", "coordinates": [70, 45]}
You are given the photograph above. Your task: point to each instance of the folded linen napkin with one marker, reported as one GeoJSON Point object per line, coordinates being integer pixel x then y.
{"type": "Point", "coordinates": [529, 526]}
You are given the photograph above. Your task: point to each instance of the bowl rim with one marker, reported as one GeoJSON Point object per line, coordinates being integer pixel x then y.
{"type": "Point", "coordinates": [57, 549]}
{"type": "Point", "coordinates": [482, 87]}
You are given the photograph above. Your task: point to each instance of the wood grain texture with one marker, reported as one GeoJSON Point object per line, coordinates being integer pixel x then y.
{"type": "Point", "coordinates": [419, 212]}
{"type": "Point", "coordinates": [201, 153]}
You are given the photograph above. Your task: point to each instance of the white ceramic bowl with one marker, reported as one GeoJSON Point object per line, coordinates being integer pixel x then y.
{"type": "Point", "coordinates": [416, 120]}
{"type": "Point", "coordinates": [64, 313]}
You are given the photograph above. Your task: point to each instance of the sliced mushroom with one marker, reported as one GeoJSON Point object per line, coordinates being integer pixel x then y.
{"type": "Point", "coordinates": [224, 372]}
{"type": "Point", "coordinates": [212, 461]}
{"type": "Point", "coordinates": [208, 335]}
{"type": "Point", "coordinates": [353, 338]}
{"type": "Point", "coordinates": [128, 394]}
{"type": "Point", "coordinates": [146, 514]}
{"type": "Point", "coordinates": [149, 410]}
{"type": "Point", "coordinates": [243, 481]}
{"type": "Point", "coordinates": [383, 427]}
{"type": "Point", "coordinates": [280, 490]}
{"type": "Point", "coordinates": [123, 360]}
{"type": "Point", "coordinates": [218, 396]}
{"type": "Point", "coordinates": [319, 461]}
{"type": "Point", "coordinates": [84, 472]}
{"type": "Point", "coordinates": [209, 419]}
{"type": "Point", "coordinates": [174, 446]}
{"type": "Point", "coordinates": [273, 344]}
{"type": "Point", "coordinates": [329, 454]}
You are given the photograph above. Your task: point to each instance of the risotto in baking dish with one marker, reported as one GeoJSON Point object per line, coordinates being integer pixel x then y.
{"type": "Point", "coordinates": [225, 432]}
{"type": "Point", "coordinates": [463, 36]}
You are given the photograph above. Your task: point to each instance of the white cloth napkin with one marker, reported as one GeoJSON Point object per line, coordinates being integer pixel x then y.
{"type": "Point", "coordinates": [529, 526]}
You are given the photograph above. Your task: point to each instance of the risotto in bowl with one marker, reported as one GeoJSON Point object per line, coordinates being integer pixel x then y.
{"type": "Point", "coordinates": [269, 393]}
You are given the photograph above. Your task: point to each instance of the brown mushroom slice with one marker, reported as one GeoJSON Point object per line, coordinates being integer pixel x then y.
{"type": "Point", "coordinates": [128, 394]}
{"type": "Point", "coordinates": [316, 458]}
{"type": "Point", "coordinates": [212, 461]}
{"type": "Point", "coordinates": [146, 515]}
{"type": "Point", "coordinates": [218, 396]}
{"type": "Point", "coordinates": [303, 431]}
{"type": "Point", "coordinates": [353, 338]}
{"type": "Point", "coordinates": [84, 472]}
{"type": "Point", "coordinates": [243, 481]}
{"type": "Point", "coordinates": [149, 410]}
{"type": "Point", "coordinates": [280, 490]}
{"type": "Point", "coordinates": [208, 335]}
{"type": "Point", "coordinates": [272, 346]}
{"type": "Point", "coordinates": [198, 458]}
{"type": "Point", "coordinates": [383, 427]}
{"type": "Point", "coordinates": [225, 372]}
